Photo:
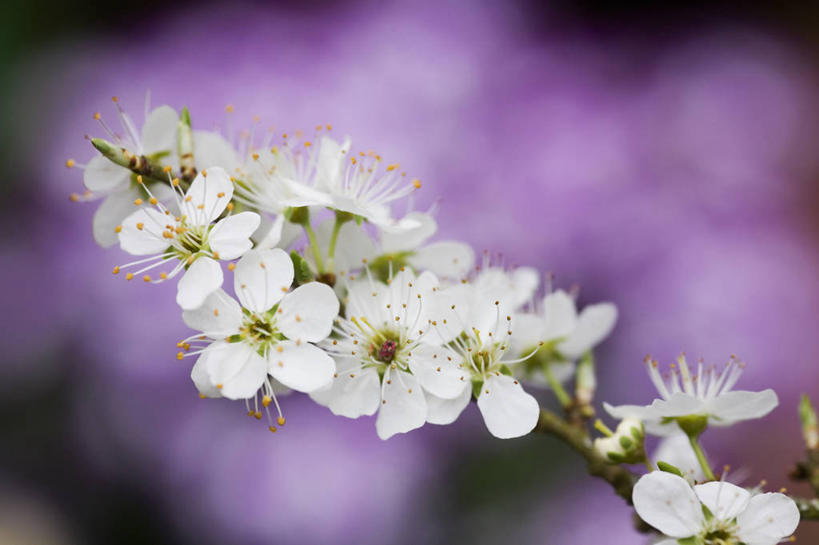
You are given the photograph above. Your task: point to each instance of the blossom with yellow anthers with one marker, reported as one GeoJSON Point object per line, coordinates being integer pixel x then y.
{"type": "Point", "coordinates": [193, 242]}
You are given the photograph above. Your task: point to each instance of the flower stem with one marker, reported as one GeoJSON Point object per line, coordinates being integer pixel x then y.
{"type": "Point", "coordinates": [340, 220]}
{"type": "Point", "coordinates": [560, 392]}
{"type": "Point", "coordinates": [311, 234]}
{"type": "Point", "coordinates": [706, 468]}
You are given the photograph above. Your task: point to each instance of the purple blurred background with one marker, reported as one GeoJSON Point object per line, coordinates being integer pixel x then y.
{"type": "Point", "coordinates": [659, 158]}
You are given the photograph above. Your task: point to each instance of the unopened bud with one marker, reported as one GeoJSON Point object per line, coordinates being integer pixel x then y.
{"type": "Point", "coordinates": [626, 445]}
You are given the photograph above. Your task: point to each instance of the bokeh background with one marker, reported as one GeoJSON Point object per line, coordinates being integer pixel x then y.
{"type": "Point", "coordinates": [659, 157]}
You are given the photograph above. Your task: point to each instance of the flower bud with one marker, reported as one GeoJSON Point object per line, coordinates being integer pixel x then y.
{"type": "Point", "coordinates": [624, 446]}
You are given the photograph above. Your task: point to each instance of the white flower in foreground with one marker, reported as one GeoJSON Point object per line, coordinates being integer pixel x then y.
{"type": "Point", "coordinates": [117, 184]}
{"type": "Point", "coordinates": [192, 240]}
{"type": "Point", "coordinates": [381, 334]}
{"type": "Point", "coordinates": [707, 394]}
{"type": "Point", "coordinates": [714, 513]}
{"type": "Point", "coordinates": [269, 335]}
{"type": "Point", "coordinates": [564, 333]}
{"type": "Point", "coordinates": [473, 363]}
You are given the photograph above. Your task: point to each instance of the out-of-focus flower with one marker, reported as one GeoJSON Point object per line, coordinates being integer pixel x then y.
{"type": "Point", "coordinates": [715, 512]}
{"type": "Point", "coordinates": [192, 240]}
{"type": "Point", "coordinates": [269, 334]}
{"type": "Point", "coordinates": [676, 450]}
{"type": "Point", "coordinates": [115, 182]}
{"type": "Point", "coordinates": [708, 395]}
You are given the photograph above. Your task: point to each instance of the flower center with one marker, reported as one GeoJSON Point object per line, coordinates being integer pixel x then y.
{"type": "Point", "coordinates": [260, 329]}
{"type": "Point", "coordinates": [387, 351]}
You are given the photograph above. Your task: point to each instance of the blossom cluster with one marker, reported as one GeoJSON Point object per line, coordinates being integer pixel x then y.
{"type": "Point", "coordinates": [338, 296]}
{"type": "Point", "coordinates": [334, 294]}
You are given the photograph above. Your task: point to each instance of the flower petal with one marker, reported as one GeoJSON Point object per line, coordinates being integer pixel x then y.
{"type": "Point", "coordinates": [446, 411]}
{"type": "Point", "coordinates": [679, 404]}
{"type": "Point", "coordinates": [447, 258]}
{"type": "Point", "coordinates": [437, 370]}
{"type": "Point", "coordinates": [739, 405]}
{"type": "Point", "coordinates": [507, 409]}
{"type": "Point", "coordinates": [159, 130]}
{"type": "Point", "coordinates": [307, 313]}
{"type": "Point", "coordinates": [230, 237]}
{"type": "Point", "coordinates": [112, 212]}
{"type": "Point", "coordinates": [142, 232]}
{"type": "Point", "coordinates": [724, 500]}
{"type": "Point", "coordinates": [403, 407]}
{"type": "Point", "coordinates": [353, 392]}
{"type": "Point", "coordinates": [207, 196]}
{"type": "Point", "coordinates": [102, 176]}
{"type": "Point", "coordinates": [262, 277]}
{"type": "Point", "coordinates": [593, 325]}
{"type": "Point", "coordinates": [675, 449]}
{"type": "Point", "coordinates": [235, 368]}
{"type": "Point", "coordinates": [560, 313]}
{"type": "Point", "coordinates": [302, 367]}
{"type": "Point", "coordinates": [412, 239]}
{"type": "Point", "coordinates": [667, 502]}
{"type": "Point", "coordinates": [201, 279]}
{"type": "Point", "coordinates": [219, 316]}
{"type": "Point", "coordinates": [201, 379]}
{"type": "Point", "coordinates": [768, 519]}
{"type": "Point", "coordinates": [211, 148]}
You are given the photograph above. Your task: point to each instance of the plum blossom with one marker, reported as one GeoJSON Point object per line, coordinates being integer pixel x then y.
{"type": "Point", "coordinates": [714, 513]}
{"type": "Point", "coordinates": [195, 241]}
{"type": "Point", "coordinates": [563, 333]}
{"type": "Point", "coordinates": [381, 334]}
{"type": "Point", "coordinates": [265, 340]}
{"type": "Point", "coordinates": [707, 394]}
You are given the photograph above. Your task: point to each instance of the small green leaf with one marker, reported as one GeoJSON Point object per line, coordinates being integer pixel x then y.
{"type": "Point", "coordinates": [668, 468]}
{"type": "Point", "coordinates": [301, 269]}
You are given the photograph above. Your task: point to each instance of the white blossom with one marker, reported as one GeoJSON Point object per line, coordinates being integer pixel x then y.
{"type": "Point", "coordinates": [194, 241]}
{"type": "Point", "coordinates": [707, 394]}
{"type": "Point", "coordinates": [714, 513]}
{"type": "Point", "coordinates": [265, 338]}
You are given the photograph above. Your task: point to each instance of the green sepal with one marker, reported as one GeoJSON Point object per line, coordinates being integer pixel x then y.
{"type": "Point", "coordinates": [693, 425]}
{"type": "Point", "coordinates": [111, 152]}
{"type": "Point", "coordinates": [615, 457]}
{"type": "Point", "coordinates": [301, 269]}
{"type": "Point", "coordinates": [234, 338]}
{"type": "Point", "coordinates": [626, 443]}
{"type": "Point", "coordinates": [688, 541]}
{"type": "Point", "coordinates": [477, 384]}
{"type": "Point", "coordinates": [300, 215]}
{"type": "Point", "coordinates": [668, 468]}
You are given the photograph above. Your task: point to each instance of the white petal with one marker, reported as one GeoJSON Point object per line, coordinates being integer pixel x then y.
{"type": "Point", "coordinates": [207, 196]}
{"type": "Point", "coordinates": [272, 233]}
{"type": "Point", "coordinates": [112, 212]}
{"type": "Point", "coordinates": [723, 499]}
{"type": "Point", "coordinates": [525, 281]}
{"type": "Point", "coordinates": [446, 411]}
{"type": "Point", "coordinates": [560, 313]}
{"type": "Point", "coordinates": [307, 313]}
{"type": "Point", "coordinates": [507, 409]}
{"type": "Point", "coordinates": [102, 176]}
{"type": "Point", "coordinates": [437, 370]}
{"type": "Point", "coordinates": [447, 259]}
{"type": "Point", "coordinates": [159, 130]}
{"type": "Point", "coordinates": [667, 502]}
{"type": "Point", "coordinates": [412, 239]}
{"type": "Point", "coordinates": [303, 367]}
{"type": "Point", "coordinates": [236, 367]}
{"type": "Point", "coordinates": [211, 148]}
{"type": "Point", "coordinates": [230, 237]}
{"type": "Point", "coordinates": [527, 331]}
{"type": "Point", "coordinates": [262, 277]}
{"type": "Point", "coordinates": [739, 405]}
{"type": "Point", "coordinates": [368, 301]}
{"type": "Point", "coordinates": [201, 279]}
{"type": "Point", "coordinates": [403, 407]}
{"type": "Point", "coordinates": [142, 232]}
{"type": "Point", "coordinates": [679, 404]}
{"type": "Point", "coordinates": [331, 157]}
{"type": "Point", "coordinates": [768, 519]}
{"type": "Point", "coordinates": [353, 392]}
{"type": "Point", "coordinates": [219, 316]}
{"type": "Point", "coordinates": [201, 379]}
{"type": "Point", "coordinates": [593, 325]}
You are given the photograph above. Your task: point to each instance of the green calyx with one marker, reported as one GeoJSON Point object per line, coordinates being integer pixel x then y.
{"type": "Point", "coordinates": [383, 265]}
{"type": "Point", "coordinates": [693, 425]}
